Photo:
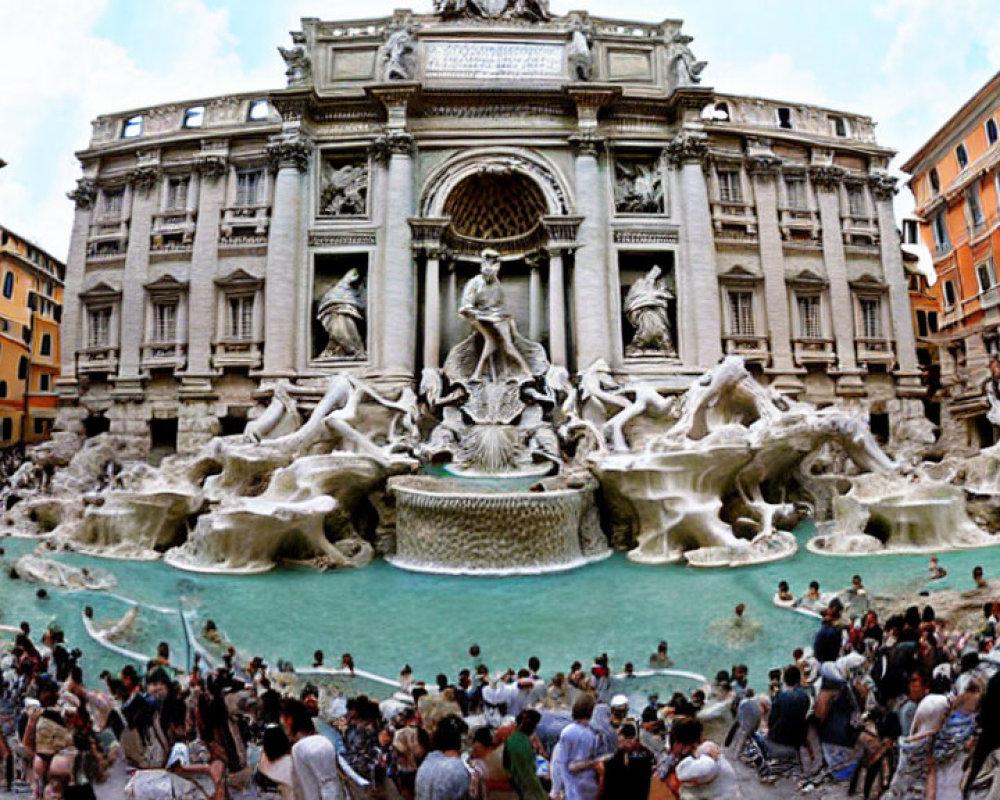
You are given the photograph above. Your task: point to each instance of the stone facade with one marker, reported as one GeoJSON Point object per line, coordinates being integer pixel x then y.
{"type": "Point", "coordinates": [584, 150]}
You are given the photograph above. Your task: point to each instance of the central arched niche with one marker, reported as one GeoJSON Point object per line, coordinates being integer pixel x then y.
{"type": "Point", "coordinates": [493, 206]}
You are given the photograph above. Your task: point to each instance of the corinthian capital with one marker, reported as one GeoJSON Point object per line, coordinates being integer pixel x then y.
{"type": "Point", "coordinates": [393, 143]}
{"type": "Point", "coordinates": [764, 165]}
{"type": "Point", "coordinates": [286, 151]}
{"type": "Point", "coordinates": [144, 177]}
{"type": "Point", "coordinates": [688, 148]}
{"type": "Point", "coordinates": [826, 176]}
{"type": "Point", "coordinates": [883, 185]}
{"type": "Point", "coordinates": [84, 194]}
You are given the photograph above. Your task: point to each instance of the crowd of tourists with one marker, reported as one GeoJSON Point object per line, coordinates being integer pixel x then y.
{"type": "Point", "coordinates": [905, 707]}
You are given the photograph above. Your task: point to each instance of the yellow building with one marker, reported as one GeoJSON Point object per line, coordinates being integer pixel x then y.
{"type": "Point", "coordinates": [31, 288]}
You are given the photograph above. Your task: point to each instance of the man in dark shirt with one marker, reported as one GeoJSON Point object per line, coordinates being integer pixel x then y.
{"type": "Point", "coordinates": [627, 775]}
{"type": "Point", "coordinates": [826, 645]}
{"type": "Point", "coordinates": [786, 723]}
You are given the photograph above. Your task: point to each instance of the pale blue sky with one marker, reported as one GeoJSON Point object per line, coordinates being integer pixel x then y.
{"type": "Point", "coordinates": [907, 63]}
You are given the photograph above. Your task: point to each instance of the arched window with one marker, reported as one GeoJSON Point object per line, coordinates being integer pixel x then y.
{"type": "Point", "coordinates": [22, 369]}
{"type": "Point", "coordinates": [46, 346]}
{"type": "Point", "coordinates": [935, 181]}
{"type": "Point", "coordinates": [991, 131]}
{"type": "Point", "coordinates": [8, 285]}
{"type": "Point", "coordinates": [962, 155]}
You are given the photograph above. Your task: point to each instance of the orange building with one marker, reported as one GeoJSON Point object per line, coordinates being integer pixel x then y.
{"type": "Point", "coordinates": [956, 185]}
{"type": "Point", "coordinates": [31, 287]}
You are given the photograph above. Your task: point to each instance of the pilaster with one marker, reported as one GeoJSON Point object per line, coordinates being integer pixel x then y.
{"type": "Point", "coordinates": [144, 180]}
{"type": "Point", "coordinates": [289, 154]}
{"type": "Point", "coordinates": [76, 262]}
{"type": "Point", "coordinates": [826, 181]}
{"type": "Point", "coordinates": [196, 379]}
{"type": "Point", "coordinates": [883, 187]}
{"type": "Point", "coordinates": [764, 170]}
{"type": "Point", "coordinates": [697, 268]}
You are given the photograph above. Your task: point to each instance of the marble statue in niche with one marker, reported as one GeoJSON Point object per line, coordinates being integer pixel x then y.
{"type": "Point", "coordinates": [344, 191]}
{"type": "Point", "coordinates": [647, 307]}
{"type": "Point", "coordinates": [341, 309]}
{"type": "Point", "coordinates": [399, 55]}
{"type": "Point", "coordinates": [504, 351]}
{"type": "Point", "coordinates": [685, 68]}
{"type": "Point", "coordinates": [638, 187]}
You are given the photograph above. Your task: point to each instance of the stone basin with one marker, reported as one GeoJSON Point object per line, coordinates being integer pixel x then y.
{"type": "Point", "coordinates": [483, 527]}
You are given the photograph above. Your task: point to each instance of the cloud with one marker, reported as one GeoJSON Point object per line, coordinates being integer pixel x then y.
{"type": "Point", "coordinates": [775, 76]}
{"type": "Point", "coordinates": [80, 73]}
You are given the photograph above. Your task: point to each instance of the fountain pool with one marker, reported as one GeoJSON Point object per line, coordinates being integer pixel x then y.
{"type": "Point", "coordinates": [386, 616]}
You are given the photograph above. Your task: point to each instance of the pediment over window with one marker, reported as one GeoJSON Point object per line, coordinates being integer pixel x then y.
{"type": "Point", "coordinates": [239, 279]}
{"type": "Point", "coordinates": [740, 274]}
{"type": "Point", "coordinates": [808, 279]}
{"type": "Point", "coordinates": [166, 285]}
{"type": "Point", "coordinates": [102, 291]}
{"type": "Point", "coordinates": [868, 282]}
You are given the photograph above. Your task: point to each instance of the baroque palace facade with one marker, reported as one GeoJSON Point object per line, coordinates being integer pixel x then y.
{"type": "Point", "coordinates": [213, 237]}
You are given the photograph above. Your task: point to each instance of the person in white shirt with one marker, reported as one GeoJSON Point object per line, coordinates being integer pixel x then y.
{"type": "Point", "coordinates": [314, 760]}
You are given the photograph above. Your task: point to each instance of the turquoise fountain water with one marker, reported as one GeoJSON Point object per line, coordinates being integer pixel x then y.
{"type": "Point", "coordinates": [386, 617]}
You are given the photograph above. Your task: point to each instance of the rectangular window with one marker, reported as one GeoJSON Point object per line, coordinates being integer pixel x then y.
{"type": "Point", "coordinates": [785, 118]}
{"type": "Point", "coordinates": [99, 327]}
{"type": "Point", "coordinates": [810, 322]}
{"type": "Point", "coordinates": [111, 203]}
{"type": "Point", "coordinates": [949, 293]}
{"type": "Point", "coordinates": [39, 426]}
{"type": "Point", "coordinates": [975, 207]}
{"type": "Point", "coordinates": [177, 193]}
{"type": "Point", "coordinates": [164, 322]}
{"type": "Point", "coordinates": [871, 317]}
{"type": "Point", "coordinates": [856, 205]}
{"type": "Point", "coordinates": [248, 187]}
{"type": "Point", "coordinates": [795, 190]}
{"type": "Point", "coordinates": [239, 321]}
{"type": "Point", "coordinates": [44, 382]}
{"type": "Point", "coordinates": [940, 227]}
{"type": "Point", "coordinates": [910, 234]}
{"type": "Point", "coordinates": [741, 314]}
{"type": "Point", "coordinates": [932, 321]}
{"type": "Point", "coordinates": [986, 275]}
{"type": "Point", "coordinates": [730, 188]}
{"type": "Point", "coordinates": [921, 323]}
{"type": "Point", "coordinates": [839, 126]}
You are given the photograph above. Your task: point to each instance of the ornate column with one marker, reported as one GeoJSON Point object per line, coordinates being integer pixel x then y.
{"type": "Point", "coordinates": [427, 238]}
{"type": "Point", "coordinates": [535, 311]}
{"type": "Point", "coordinates": [592, 291]}
{"type": "Point", "coordinates": [826, 180]}
{"type": "Point", "coordinates": [562, 233]}
{"type": "Point", "coordinates": [84, 196]}
{"type": "Point", "coordinates": [289, 155]}
{"type": "Point", "coordinates": [764, 169]}
{"type": "Point", "coordinates": [197, 378]}
{"type": "Point", "coordinates": [883, 187]}
{"type": "Point", "coordinates": [396, 332]}
{"type": "Point", "coordinates": [697, 266]}
{"type": "Point", "coordinates": [143, 179]}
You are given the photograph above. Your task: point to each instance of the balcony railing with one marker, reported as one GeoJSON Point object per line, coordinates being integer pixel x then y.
{"type": "Point", "coordinates": [796, 221]}
{"type": "Point", "coordinates": [814, 350]}
{"type": "Point", "coordinates": [244, 220]}
{"type": "Point", "coordinates": [751, 346]}
{"type": "Point", "coordinates": [161, 355]}
{"type": "Point", "coordinates": [859, 230]}
{"type": "Point", "coordinates": [237, 353]}
{"type": "Point", "coordinates": [874, 350]}
{"type": "Point", "coordinates": [173, 232]}
{"type": "Point", "coordinates": [93, 360]}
